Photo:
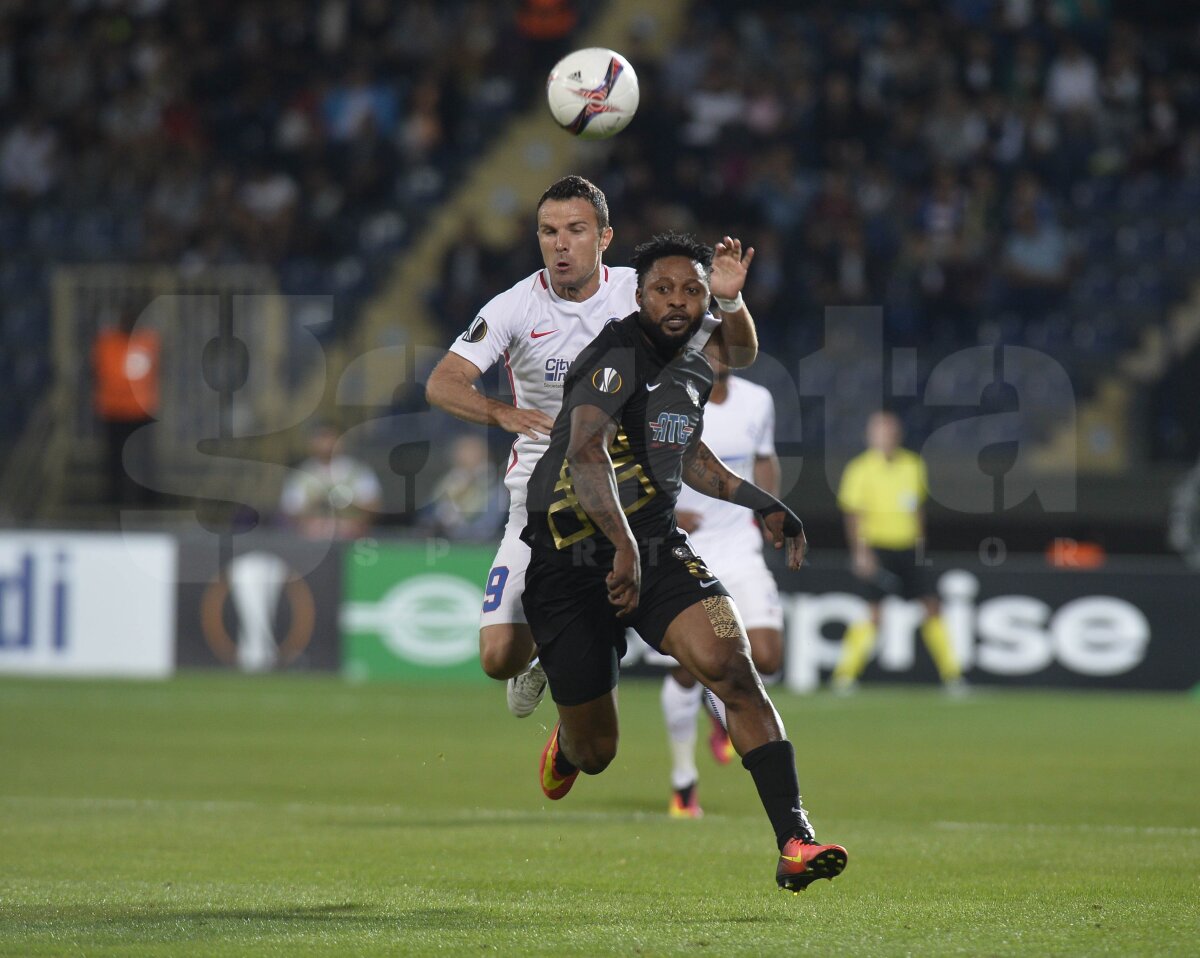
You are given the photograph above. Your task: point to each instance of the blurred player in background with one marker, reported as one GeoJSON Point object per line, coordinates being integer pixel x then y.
{"type": "Point", "coordinates": [331, 495]}
{"type": "Point", "coordinates": [739, 427]}
{"type": "Point", "coordinates": [537, 328]}
{"type": "Point", "coordinates": [1183, 521]}
{"type": "Point", "coordinates": [465, 503]}
{"type": "Point", "coordinates": [125, 366]}
{"type": "Point", "coordinates": [606, 552]}
{"type": "Point", "coordinates": [882, 496]}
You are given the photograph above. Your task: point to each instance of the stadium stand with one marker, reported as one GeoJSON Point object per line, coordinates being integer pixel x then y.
{"type": "Point", "coordinates": [311, 137]}
{"type": "Point", "coordinates": [993, 172]}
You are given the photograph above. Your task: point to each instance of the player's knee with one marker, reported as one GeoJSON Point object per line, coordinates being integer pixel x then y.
{"type": "Point", "coordinates": [743, 689]}
{"type": "Point", "coordinates": [729, 672]}
{"type": "Point", "coordinates": [494, 664]}
{"type": "Point", "coordinates": [683, 677]}
{"type": "Point", "coordinates": [499, 660]}
{"type": "Point", "coordinates": [767, 651]}
{"type": "Point", "coordinates": [768, 660]}
{"type": "Point", "coordinates": [596, 754]}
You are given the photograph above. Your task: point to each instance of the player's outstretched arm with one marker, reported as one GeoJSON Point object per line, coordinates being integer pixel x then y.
{"type": "Point", "coordinates": [592, 432]}
{"type": "Point", "coordinates": [451, 387]}
{"type": "Point", "coordinates": [735, 341]}
{"type": "Point", "coordinates": [704, 472]}
{"type": "Point", "coordinates": [767, 475]}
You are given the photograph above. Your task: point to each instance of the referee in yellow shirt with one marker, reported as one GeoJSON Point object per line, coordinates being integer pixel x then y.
{"type": "Point", "coordinates": [882, 496]}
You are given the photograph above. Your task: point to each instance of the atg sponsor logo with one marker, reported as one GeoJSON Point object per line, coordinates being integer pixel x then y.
{"type": "Point", "coordinates": [671, 427]}
{"type": "Point", "coordinates": [556, 371]}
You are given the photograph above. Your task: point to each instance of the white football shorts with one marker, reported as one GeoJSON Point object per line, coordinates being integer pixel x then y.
{"type": "Point", "coordinates": [506, 579]}
{"type": "Point", "coordinates": [754, 593]}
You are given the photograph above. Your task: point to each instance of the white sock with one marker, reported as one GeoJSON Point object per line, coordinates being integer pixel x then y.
{"type": "Point", "coordinates": [680, 707]}
{"type": "Point", "coordinates": [716, 707]}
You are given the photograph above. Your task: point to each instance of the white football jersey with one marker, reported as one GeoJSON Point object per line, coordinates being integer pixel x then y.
{"type": "Point", "coordinates": [737, 430]}
{"type": "Point", "coordinates": [538, 335]}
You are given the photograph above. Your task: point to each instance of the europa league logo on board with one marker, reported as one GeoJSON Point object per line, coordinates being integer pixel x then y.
{"type": "Point", "coordinates": [258, 614]}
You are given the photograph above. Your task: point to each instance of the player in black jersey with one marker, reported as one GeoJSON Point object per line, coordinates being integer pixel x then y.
{"type": "Point", "coordinates": [606, 553]}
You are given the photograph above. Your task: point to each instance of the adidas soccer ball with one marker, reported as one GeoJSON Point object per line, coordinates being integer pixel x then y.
{"type": "Point", "coordinates": [593, 93]}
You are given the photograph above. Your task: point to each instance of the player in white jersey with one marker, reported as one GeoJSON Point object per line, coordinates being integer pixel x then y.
{"type": "Point", "coordinates": [739, 428]}
{"type": "Point", "coordinates": [537, 328]}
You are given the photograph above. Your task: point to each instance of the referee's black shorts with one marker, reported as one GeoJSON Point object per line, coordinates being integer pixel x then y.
{"type": "Point", "coordinates": [901, 572]}
{"type": "Point", "coordinates": [580, 640]}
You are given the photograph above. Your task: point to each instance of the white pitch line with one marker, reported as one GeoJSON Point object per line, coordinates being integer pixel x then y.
{"type": "Point", "coordinates": [325, 808]}
{"type": "Point", "coordinates": [407, 813]}
{"type": "Point", "coordinates": [1044, 827]}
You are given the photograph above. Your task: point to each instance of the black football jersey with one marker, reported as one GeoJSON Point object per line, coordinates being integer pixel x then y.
{"type": "Point", "coordinates": [658, 407]}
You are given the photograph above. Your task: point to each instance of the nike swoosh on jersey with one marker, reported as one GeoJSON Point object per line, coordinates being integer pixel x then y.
{"type": "Point", "coordinates": [705, 585]}
{"type": "Point", "coordinates": [534, 334]}
{"type": "Point", "coordinates": [650, 388]}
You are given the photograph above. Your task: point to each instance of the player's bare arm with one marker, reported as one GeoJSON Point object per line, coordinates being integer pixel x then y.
{"type": "Point", "coordinates": [595, 483]}
{"type": "Point", "coordinates": [767, 474]}
{"type": "Point", "coordinates": [861, 554]}
{"type": "Point", "coordinates": [451, 387]}
{"type": "Point", "coordinates": [735, 341]}
{"type": "Point", "coordinates": [704, 471]}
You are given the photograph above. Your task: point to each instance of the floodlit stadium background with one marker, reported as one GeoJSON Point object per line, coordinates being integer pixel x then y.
{"type": "Point", "coordinates": [985, 215]}
{"type": "Point", "coordinates": [982, 213]}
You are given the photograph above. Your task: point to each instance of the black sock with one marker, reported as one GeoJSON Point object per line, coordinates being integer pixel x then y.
{"type": "Point", "coordinates": [773, 768]}
{"type": "Point", "coordinates": [685, 794]}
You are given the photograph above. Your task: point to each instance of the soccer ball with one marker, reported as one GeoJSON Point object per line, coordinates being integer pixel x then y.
{"type": "Point", "coordinates": [593, 93]}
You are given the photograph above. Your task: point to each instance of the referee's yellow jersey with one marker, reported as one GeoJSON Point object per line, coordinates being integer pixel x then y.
{"type": "Point", "coordinates": [886, 495]}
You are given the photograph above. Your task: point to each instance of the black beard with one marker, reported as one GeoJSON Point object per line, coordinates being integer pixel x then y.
{"type": "Point", "coordinates": [665, 344]}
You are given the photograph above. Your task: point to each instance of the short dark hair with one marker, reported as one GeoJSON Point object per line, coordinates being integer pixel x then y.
{"type": "Point", "coordinates": [671, 244]}
{"type": "Point", "coordinates": [577, 188]}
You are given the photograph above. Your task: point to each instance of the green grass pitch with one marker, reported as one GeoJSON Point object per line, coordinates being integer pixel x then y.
{"type": "Point", "coordinates": [220, 815]}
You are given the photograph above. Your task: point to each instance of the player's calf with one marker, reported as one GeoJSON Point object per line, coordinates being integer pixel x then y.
{"type": "Point", "coordinates": [591, 755]}
{"type": "Point", "coordinates": [588, 733]}
{"type": "Point", "coordinates": [708, 640]}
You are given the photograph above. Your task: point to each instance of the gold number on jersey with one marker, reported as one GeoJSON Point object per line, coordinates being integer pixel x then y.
{"type": "Point", "coordinates": [624, 467]}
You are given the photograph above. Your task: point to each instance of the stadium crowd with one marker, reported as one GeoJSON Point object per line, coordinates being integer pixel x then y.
{"type": "Point", "coordinates": [309, 135]}
{"type": "Point", "coordinates": [990, 171]}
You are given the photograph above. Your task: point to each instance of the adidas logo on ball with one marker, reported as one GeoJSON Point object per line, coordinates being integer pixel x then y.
{"type": "Point", "coordinates": [592, 93]}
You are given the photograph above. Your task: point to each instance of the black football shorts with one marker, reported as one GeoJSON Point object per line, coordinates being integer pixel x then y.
{"type": "Point", "coordinates": [580, 640]}
{"type": "Point", "coordinates": [899, 573]}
